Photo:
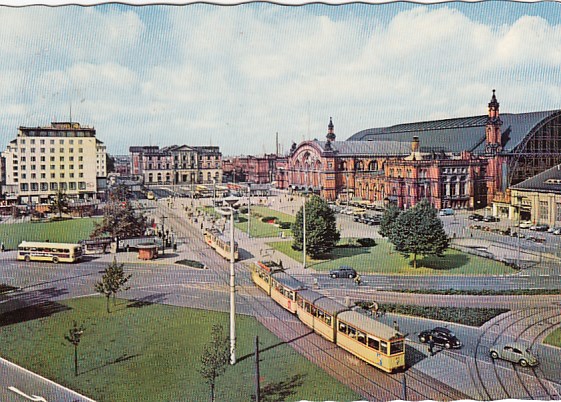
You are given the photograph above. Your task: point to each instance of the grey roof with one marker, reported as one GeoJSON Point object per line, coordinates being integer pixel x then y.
{"type": "Point", "coordinates": [320, 301]}
{"type": "Point", "coordinates": [287, 281]}
{"type": "Point", "coordinates": [385, 147]}
{"type": "Point", "coordinates": [369, 325]}
{"type": "Point", "coordinates": [458, 134]}
{"type": "Point", "coordinates": [538, 182]}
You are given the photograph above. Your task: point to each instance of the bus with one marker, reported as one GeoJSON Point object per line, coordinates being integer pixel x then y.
{"type": "Point", "coordinates": [46, 251]}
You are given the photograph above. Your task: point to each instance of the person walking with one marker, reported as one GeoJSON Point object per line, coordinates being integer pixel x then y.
{"type": "Point", "coordinates": [431, 345]}
{"type": "Point", "coordinates": [395, 325]}
{"type": "Point", "coordinates": [358, 279]}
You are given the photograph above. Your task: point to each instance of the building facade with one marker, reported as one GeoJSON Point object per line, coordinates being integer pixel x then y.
{"type": "Point", "coordinates": [177, 164]}
{"type": "Point", "coordinates": [455, 163]}
{"type": "Point", "coordinates": [261, 169]}
{"type": "Point", "coordinates": [65, 156]}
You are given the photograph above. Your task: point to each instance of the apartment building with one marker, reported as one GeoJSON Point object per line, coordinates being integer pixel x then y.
{"type": "Point", "coordinates": [43, 160]}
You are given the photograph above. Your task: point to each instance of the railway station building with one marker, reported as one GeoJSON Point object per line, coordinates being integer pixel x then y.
{"type": "Point", "coordinates": [461, 163]}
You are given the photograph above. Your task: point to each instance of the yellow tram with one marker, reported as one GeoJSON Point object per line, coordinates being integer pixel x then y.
{"type": "Point", "coordinates": [371, 341]}
{"type": "Point", "coordinates": [261, 274]}
{"type": "Point", "coordinates": [220, 243]}
{"type": "Point", "coordinates": [283, 290]}
{"type": "Point", "coordinates": [319, 312]}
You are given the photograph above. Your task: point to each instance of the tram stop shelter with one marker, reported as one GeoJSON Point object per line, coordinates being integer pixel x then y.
{"type": "Point", "coordinates": [147, 251]}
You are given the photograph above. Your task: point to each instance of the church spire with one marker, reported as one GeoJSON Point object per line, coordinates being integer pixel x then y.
{"type": "Point", "coordinates": [330, 131]}
{"type": "Point", "coordinates": [493, 110]}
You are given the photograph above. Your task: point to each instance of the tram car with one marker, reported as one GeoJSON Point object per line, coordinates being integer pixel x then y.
{"type": "Point", "coordinates": [319, 312]}
{"type": "Point", "coordinates": [220, 243]}
{"type": "Point", "coordinates": [370, 340]}
{"type": "Point", "coordinates": [261, 272]}
{"type": "Point", "coordinates": [284, 289]}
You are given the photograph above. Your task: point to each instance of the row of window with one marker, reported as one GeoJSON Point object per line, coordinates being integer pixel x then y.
{"type": "Point", "coordinates": [42, 141]}
{"type": "Point", "coordinates": [57, 133]}
{"type": "Point", "coordinates": [51, 150]}
{"type": "Point", "coordinates": [371, 342]}
{"type": "Point", "coordinates": [43, 159]}
{"type": "Point", "coordinates": [316, 312]}
{"type": "Point", "coordinates": [289, 294]}
{"type": "Point", "coordinates": [44, 167]}
{"type": "Point", "coordinates": [53, 186]}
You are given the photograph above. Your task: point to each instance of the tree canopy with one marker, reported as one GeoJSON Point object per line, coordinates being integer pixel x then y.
{"type": "Point", "coordinates": [120, 220]}
{"type": "Point", "coordinates": [59, 203]}
{"type": "Point", "coordinates": [388, 219]}
{"type": "Point", "coordinates": [419, 231]}
{"type": "Point", "coordinates": [215, 357]}
{"type": "Point", "coordinates": [112, 281]}
{"type": "Point", "coordinates": [321, 228]}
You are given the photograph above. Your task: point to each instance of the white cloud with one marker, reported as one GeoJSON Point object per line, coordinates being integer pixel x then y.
{"type": "Point", "coordinates": [237, 75]}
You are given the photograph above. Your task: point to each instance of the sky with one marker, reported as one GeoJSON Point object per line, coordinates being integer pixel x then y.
{"type": "Point", "coordinates": [234, 76]}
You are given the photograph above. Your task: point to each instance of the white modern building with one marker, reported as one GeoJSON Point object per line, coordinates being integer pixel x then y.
{"type": "Point", "coordinates": [42, 160]}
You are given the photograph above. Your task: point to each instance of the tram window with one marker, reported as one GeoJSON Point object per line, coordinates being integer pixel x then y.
{"type": "Point", "coordinates": [384, 347]}
{"type": "Point", "coordinates": [361, 337]}
{"type": "Point", "coordinates": [342, 327]}
{"type": "Point", "coordinates": [352, 332]}
{"type": "Point", "coordinates": [291, 295]}
{"type": "Point", "coordinates": [314, 311]}
{"type": "Point", "coordinates": [328, 319]}
{"type": "Point", "coordinates": [396, 347]}
{"type": "Point", "coordinates": [373, 343]}
{"type": "Point", "coordinates": [321, 315]}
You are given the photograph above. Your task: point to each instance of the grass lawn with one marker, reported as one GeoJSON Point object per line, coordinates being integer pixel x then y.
{"type": "Point", "coordinates": [383, 259]}
{"type": "Point", "coordinates": [69, 231]}
{"type": "Point", "coordinates": [554, 338]}
{"type": "Point", "coordinates": [151, 352]}
{"type": "Point", "coordinates": [258, 228]}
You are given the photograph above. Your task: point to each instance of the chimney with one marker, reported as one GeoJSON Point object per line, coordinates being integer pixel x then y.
{"type": "Point", "coordinates": [415, 144]}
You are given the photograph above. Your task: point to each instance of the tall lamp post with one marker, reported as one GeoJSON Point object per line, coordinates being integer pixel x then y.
{"type": "Point", "coordinates": [248, 208]}
{"type": "Point", "coordinates": [304, 234]}
{"type": "Point", "coordinates": [519, 199]}
{"type": "Point", "coordinates": [230, 212]}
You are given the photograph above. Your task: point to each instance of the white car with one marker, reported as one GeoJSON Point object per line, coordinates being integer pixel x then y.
{"type": "Point", "coordinates": [525, 225]}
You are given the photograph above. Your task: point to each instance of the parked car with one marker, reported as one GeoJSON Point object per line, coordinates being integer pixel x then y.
{"type": "Point", "coordinates": [514, 352]}
{"type": "Point", "coordinates": [446, 212]}
{"type": "Point", "coordinates": [540, 228]}
{"type": "Point", "coordinates": [343, 272]}
{"type": "Point", "coordinates": [491, 218]}
{"type": "Point", "coordinates": [525, 225]}
{"type": "Point", "coordinates": [557, 231]}
{"type": "Point", "coordinates": [441, 336]}
{"type": "Point", "coordinates": [475, 217]}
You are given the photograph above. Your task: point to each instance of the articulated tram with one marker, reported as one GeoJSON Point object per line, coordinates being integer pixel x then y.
{"type": "Point", "coordinates": [368, 339]}
{"type": "Point", "coordinates": [220, 243]}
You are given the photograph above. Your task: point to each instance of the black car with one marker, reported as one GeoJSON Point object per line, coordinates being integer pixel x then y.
{"type": "Point", "coordinates": [343, 272]}
{"type": "Point", "coordinates": [441, 336]}
{"type": "Point", "coordinates": [475, 217]}
{"type": "Point", "coordinates": [490, 218]}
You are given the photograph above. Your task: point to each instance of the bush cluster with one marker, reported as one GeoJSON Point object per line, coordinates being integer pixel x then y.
{"type": "Point", "coordinates": [353, 242]}
{"type": "Point", "coordinates": [479, 292]}
{"type": "Point", "coordinates": [459, 315]}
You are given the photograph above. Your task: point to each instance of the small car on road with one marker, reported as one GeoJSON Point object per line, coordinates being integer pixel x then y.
{"type": "Point", "coordinates": [441, 336]}
{"type": "Point", "coordinates": [514, 352]}
{"type": "Point", "coordinates": [490, 218]}
{"type": "Point", "coordinates": [343, 272]}
{"type": "Point", "coordinates": [475, 217]}
{"type": "Point", "coordinates": [525, 225]}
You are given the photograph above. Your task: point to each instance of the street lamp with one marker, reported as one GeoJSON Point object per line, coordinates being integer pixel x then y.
{"type": "Point", "coordinates": [304, 235]}
{"type": "Point", "coordinates": [248, 208]}
{"type": "Point", "coordinates": [519, 199]}
{"type": "Point", "coordinates": [230, 212]}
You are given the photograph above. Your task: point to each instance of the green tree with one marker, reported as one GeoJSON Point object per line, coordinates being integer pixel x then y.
{"type": "Point", "coordinates": [59, 203]}
{"type": "Point", "coordinates": [215, 358]}
{"type": "Point", "coordinates": [120, 220]}
{"type": "Point", "coordinates": [388, 219]}
{"type": "Point", "coordinates": [112, 281]}
{"type": "Point", "coordinates": [419, 231]}
{"type": "Point", "coordinates": [74, 337]}
{"type": "Point", "coordinates": [321, 228]}
{"type": "Point", "coordinates": [109, 163]}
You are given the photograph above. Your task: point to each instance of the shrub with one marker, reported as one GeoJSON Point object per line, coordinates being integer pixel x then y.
{"type": "Point", "coordinates": [284, 225]}
{"type": "Point", "coordinates": [243, 210]}
{"type": "Point", "coordinates": [366, 242]}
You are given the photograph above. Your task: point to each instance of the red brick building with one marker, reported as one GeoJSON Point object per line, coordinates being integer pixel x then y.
{"type": "Point", "coordinates": [455, 163]}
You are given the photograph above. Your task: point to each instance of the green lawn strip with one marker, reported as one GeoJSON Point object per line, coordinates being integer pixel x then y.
{"type": "Point", "coordinates": [257, 227]}
{"type": "Point", "coordinates": [554, 338]}
{"type": "Point", "coordinates": [460, 315]}
{"type": "Point", "coordinates": [151, 353]}
{"type": "Point", "coordinates": [478, 292]}
{"type": "Point", "coordinates": [383, 259]}
{"type": "Point", "coordinates": [68, 231]}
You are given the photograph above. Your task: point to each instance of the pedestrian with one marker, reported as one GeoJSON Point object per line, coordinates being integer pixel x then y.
{"type": "Point", "coordinates": [431, 345]}
{"type": "Point", "coordinates": [358, 280]}
{"type": "Point", "coordinates": [395, 325]}
{"type": "Point", "coordinates": [2, 247]}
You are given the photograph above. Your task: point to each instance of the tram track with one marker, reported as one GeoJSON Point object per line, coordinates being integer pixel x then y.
{"type": "Point", "coordinates": [490, 393]}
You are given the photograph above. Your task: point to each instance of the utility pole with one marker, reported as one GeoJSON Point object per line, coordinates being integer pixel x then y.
{"type": "Point", "coordinates": [163, 218]}
{"type": "Point", "coordinates": [248, 208]}
{"type": "Point", "coordinates": [304, 235]}
{"type": "Point", "coordinates": [257, 385]}
{"type": "Point", "coordinates": [232, 292]}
